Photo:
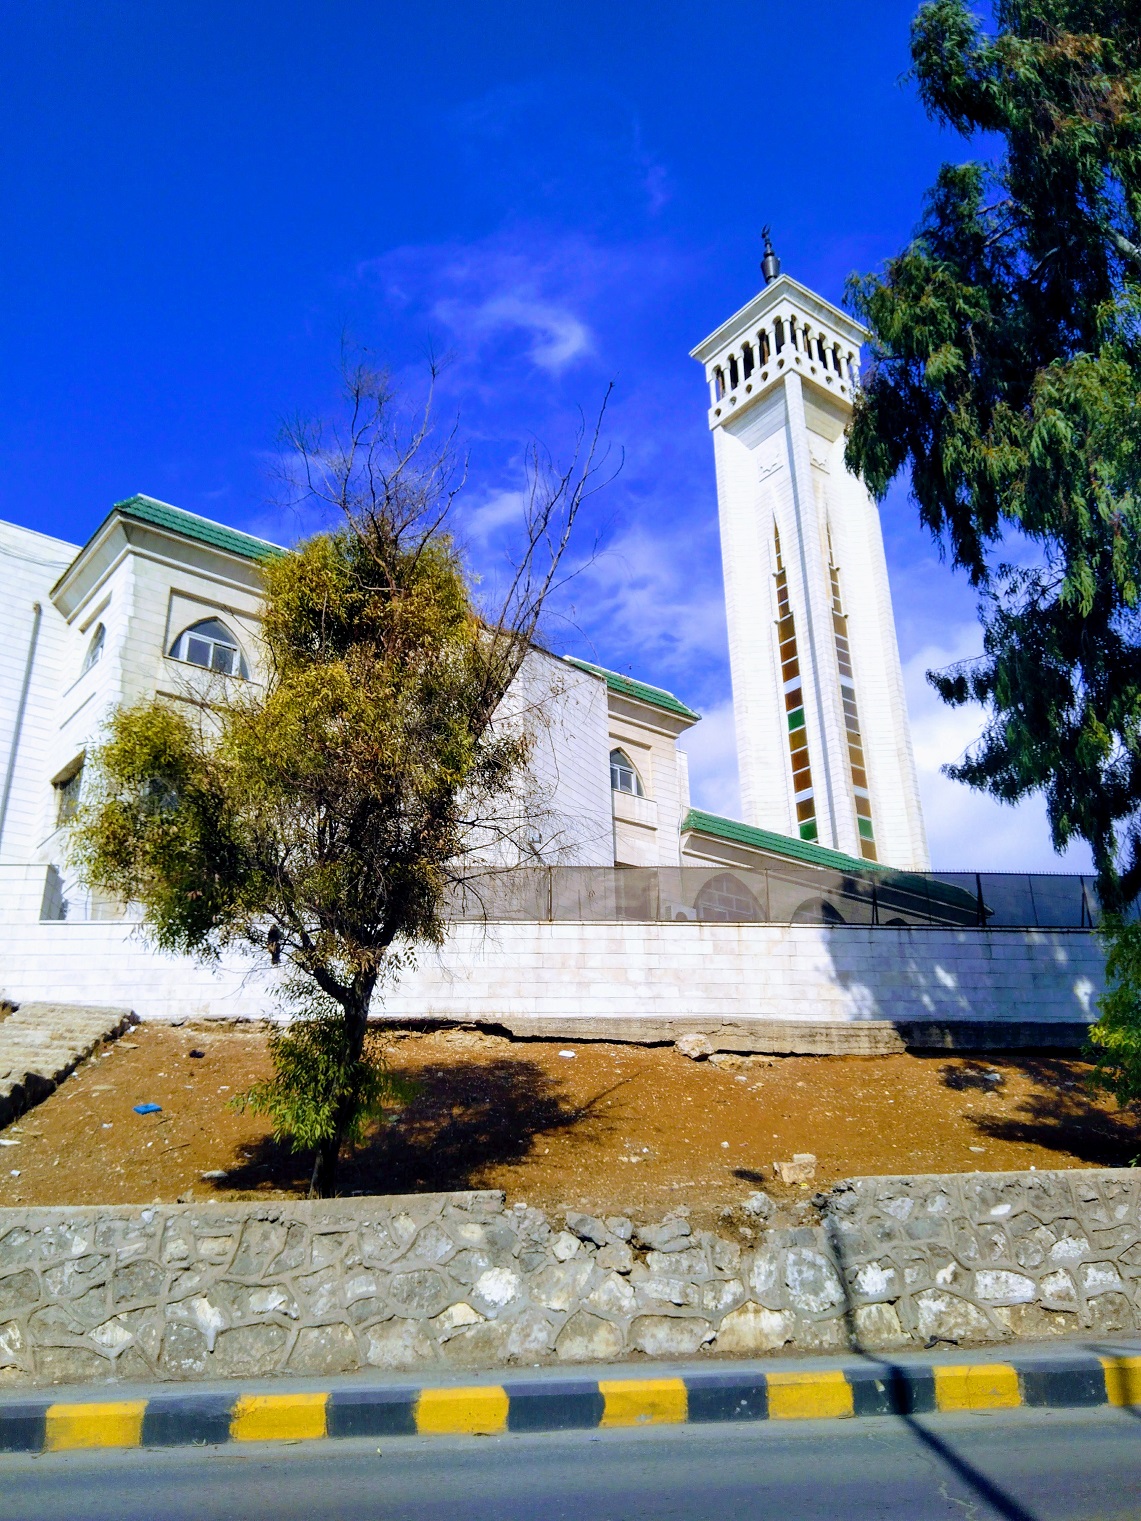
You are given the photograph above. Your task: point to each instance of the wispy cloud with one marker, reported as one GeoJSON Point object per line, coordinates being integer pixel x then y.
{"type": "Point", "coordinates": [657, 599]}
{"type": "Point", "coordinates": [556, 336]}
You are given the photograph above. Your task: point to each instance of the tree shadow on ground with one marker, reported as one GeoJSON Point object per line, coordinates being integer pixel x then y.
{"type": "Point", "coordinates": [1061, 1114]}
{"type": "Point", "coordinates": [463, 1119]}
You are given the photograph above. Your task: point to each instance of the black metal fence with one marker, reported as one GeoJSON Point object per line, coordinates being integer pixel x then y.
{"type": "Point", "coordinates": [780, 895]}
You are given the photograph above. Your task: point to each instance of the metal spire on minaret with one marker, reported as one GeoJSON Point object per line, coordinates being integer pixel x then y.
{"type": "Point", "coordinates": [770, 264]}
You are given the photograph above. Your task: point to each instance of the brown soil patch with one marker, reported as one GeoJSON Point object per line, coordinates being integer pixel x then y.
{"type": "Point", "coordinates": [613, 1128]}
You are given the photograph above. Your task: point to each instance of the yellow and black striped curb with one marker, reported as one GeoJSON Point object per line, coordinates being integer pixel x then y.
{"type": "Point", "coordinates": [180, 1418]}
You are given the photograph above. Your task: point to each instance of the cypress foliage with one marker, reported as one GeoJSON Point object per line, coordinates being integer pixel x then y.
{"type": "Point", "coordinates": [1006, 381]}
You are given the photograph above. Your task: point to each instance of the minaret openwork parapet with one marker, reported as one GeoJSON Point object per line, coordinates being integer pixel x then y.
{"type": "Point", "coordinates": [785, 328]}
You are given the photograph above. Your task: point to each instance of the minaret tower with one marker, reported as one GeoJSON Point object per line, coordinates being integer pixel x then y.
{"type": "Point", "coordinates": [823, 741]}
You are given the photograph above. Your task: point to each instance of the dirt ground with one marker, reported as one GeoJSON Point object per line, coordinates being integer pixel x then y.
{"type": "Point", "coordinates": [604, 1128]}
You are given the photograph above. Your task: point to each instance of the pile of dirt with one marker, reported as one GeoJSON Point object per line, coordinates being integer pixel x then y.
{"type": "Point", "coordinates": [600, 1127]}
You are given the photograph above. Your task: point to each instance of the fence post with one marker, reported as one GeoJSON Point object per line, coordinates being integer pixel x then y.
{"type": "Point", "coordinates": [981, 904]}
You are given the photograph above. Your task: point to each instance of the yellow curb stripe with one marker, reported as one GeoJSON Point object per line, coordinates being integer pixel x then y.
{"type": "Point", "coordinates": [1122, 1380]}
{"type": "Point", "coordinates": [480, 1410]}
{"type": "Point", "coordinates": [114, 1424]}
{"type": "Point", "coordinates": [977, 1386]}
{"type": "Point", "coordinates": [808, 1396]}
{"type": "Point", "coordinates": [278, 1417]}
{"type": "Point", "coordinates": [643, 1401]}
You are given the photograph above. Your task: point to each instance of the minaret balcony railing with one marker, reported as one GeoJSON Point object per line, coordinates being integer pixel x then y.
{"type": "Point", "coordinates": [785, 342]}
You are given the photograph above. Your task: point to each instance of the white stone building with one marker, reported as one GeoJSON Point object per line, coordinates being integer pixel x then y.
{"type": "Point", "coordinates": [655, 916]}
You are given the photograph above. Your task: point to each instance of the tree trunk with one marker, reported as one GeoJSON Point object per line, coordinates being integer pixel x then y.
{"type": "Point", "coordinates": [323, 1181]}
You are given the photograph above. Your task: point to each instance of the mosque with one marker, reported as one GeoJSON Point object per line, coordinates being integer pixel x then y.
{"type": "Point", "coordinates": [811, 923]}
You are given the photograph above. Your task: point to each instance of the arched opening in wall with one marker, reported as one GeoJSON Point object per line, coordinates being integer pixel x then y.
{"type": "Point", "coordinates": [719, 381]}
{"type": "Point", "coordinates": [211, 645]}
{"type": "Point", "coordinates": [95, 648]}
{"type": "Point", "coordinates": [725, 899]}
{"type": "Point", "coordinates": [624, 775]}
{"type": "Point", "coordinates": [817, 911]}
{"type": "Point", "coordinates": [746, 360]}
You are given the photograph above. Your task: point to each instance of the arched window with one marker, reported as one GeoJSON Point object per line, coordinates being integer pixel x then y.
{"type": "Point", "coordinates": [95, 648]}
{"type": "Point", "coordinates": [210, 645]}
{"type": "Point", "coordinates": [724, 899]}
{"type": "Point", "coordinates": [623, 775]}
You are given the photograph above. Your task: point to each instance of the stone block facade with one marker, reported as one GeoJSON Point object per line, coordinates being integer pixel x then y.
{"type": "Point", "coordinates": [458, 1280]}
{"type": "Point", "coordinates": [646, 979]}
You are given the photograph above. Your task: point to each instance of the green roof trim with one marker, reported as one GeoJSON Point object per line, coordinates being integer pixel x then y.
{"type": "Point", "coordinates": [699, 822]}
{"type": "Point", "coordinates": [640, 691]}
{"type": "Point", "coordinates": [188, 525]}
{"type": "Point", "coordinates": [948, 893]}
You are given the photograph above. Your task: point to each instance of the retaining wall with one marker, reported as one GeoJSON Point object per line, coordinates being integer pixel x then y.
{"type": "Point", "coordinates": [458, 1280]}
{"type": "Point", "coordinates": [770, 987]}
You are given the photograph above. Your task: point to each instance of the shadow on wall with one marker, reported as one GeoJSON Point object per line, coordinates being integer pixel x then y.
{"type": "Point", "coordinates": [931, 975]}
{"type": "Point", "coordinates": [464, 1117]}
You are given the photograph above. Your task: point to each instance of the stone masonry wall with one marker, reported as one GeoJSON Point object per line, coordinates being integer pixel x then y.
{"type": "Point", "coordinates": [566, 976]}
{"type": "Point", "coordinates": [457, 1280]}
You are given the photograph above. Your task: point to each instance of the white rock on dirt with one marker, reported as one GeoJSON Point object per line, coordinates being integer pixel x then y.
{"type": "Point", "coordinates": [696, 1047]}
{"type": "Point", "coordinates": [802, 1168]}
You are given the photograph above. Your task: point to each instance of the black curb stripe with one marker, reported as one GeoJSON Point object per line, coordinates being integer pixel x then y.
{"type": "Point", "coordinates": [22, 1427]}
{"type": "Point", "coordinates": [371, 1412]}
{"type": "Point", "coordinates": [727, 1397]}
{"type": "Point", "coordinates": [574, 1405]}
{"type": "Point", "coordinates": [187, 1420]}
{"type": "Point", "coordinates": [892, 1390]}
{"type": "Point", "coordinates": [1065, 1384]}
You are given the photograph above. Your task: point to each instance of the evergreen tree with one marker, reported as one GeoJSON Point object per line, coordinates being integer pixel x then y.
{"type": "Point", "coordinates": [1006, 380]}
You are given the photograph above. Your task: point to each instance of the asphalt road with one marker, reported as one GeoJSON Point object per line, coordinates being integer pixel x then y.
{"type": "Point", "coordinates": [1018, 1465]}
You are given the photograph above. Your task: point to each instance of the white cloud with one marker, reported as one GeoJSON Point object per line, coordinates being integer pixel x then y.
{"type": "Point", "coordinates": [712, 749]}
{"type": "Point", "coordinates": [969, 830]}
{"type": "Point", "coordinates": [646, 593]}
{"type": "Point", "coordinates": [502, 509]}
{"type": "Point", "coordinates": [557, 336]}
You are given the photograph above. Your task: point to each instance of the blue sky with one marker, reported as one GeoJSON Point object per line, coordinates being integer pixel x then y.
{"type": "Point", "coordinates": [198, 200]}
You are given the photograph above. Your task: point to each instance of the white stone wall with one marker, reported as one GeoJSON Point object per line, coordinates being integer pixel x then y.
{"type": "Point", "coordinates": [569, 771]}
{"type": "Point", "coordinates": [30, 563]}
{"type": "Point", "coordinates": [618, 972]}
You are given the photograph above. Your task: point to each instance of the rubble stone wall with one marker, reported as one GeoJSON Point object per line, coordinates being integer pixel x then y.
{"type": "Point", "coordinates": [458, 1280]}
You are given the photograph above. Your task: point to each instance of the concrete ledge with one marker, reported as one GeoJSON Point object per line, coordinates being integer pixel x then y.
{"type": "Point", "coordinates": [43, 1043]}
{"type": "Point", "coordinates": [820, 1389]}
{"type": "Point", "coordinates": [788, 1037]}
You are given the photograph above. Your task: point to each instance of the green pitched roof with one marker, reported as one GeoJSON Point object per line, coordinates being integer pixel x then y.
{"type": "Point", "coordinates": [766, 839]}
{"type": "Point", "coordinates": [949, 894]}
{"type": "Point", "coordinates": [640, 691]}
{"type": "Point", "coordinates": [145, 509]}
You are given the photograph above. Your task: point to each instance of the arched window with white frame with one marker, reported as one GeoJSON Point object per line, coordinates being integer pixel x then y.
{"type": "Point", "coordinates": [211, 645]}
{"type": "Point", "coordinates": [624, 775]}
{"type": "Point", "coordinates": [95, 648]}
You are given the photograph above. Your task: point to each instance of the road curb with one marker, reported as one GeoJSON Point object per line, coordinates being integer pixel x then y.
{"type": "Point", "coordinates": [189, 1418]}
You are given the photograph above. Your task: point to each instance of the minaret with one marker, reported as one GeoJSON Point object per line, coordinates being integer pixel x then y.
{"type": "Point", "coordinates": [823, 741]}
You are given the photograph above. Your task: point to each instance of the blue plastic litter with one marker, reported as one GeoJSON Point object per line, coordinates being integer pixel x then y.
{"type": "Point", "coordinates": [148, 1108]}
